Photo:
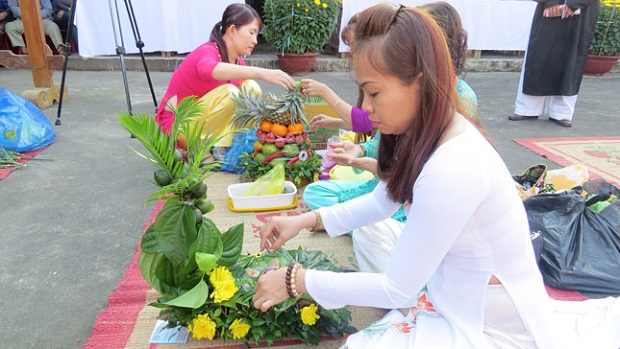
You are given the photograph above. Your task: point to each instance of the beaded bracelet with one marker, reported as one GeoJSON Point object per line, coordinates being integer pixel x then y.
{"type": "Point", "coordinates": [291, 287]}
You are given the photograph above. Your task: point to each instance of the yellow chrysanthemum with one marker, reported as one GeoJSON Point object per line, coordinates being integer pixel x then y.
{"type": "Point", "coordinates": [317, 2]}
{"type": "Point", "coordinates": [221, 275]}
{"type": "Point", "coordinates": [238, 329]}
{"type": "Point", "coordinates": [202, 327]}
{"type": "Point", "coordinates": [298, 4]}
{"type": "Point", "coordinates": [307, 11]}
{"type": "Point", "coordinates": [324, 5]}
{"type": "Point", "coordinates": [309, 315]}
{"type": "Point", "coordinates": [224, 291]}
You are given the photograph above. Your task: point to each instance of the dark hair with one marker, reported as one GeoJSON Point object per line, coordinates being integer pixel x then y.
{"type": "Point", "coordinates": [450, 22]}
{"type": "Point", "coordinates": [237, 15]}
{"type": "Point", "coordinates": [408, 44]}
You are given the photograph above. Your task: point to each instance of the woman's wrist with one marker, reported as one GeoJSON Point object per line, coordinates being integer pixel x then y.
{"type": "Point", "coordinates": [318, 221]}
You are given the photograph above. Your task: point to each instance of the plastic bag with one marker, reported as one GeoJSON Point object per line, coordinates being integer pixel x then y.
{"type": "Point", "coordinates": [270, 183]}
{"type": "Point", "coordinates": [581, 249]}
{"type": "Point", "coordinates": [243, 142]}
{"type": "Point", "coordinates": [23, 126]}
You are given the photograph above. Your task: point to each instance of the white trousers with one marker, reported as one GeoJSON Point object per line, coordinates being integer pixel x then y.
{"type": "Point", "coordinates": [555, 107]}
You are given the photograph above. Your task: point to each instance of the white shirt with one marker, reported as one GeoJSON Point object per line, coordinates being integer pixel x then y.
{"type": "Point", "coordinates": [466, 223]}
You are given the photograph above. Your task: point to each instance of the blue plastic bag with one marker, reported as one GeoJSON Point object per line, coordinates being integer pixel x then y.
{"type": "Point", "coordinates": [23, 126]}
{"type": "Point", "coordinates": [243, 142]}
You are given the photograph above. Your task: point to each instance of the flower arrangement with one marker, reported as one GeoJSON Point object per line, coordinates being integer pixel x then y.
{"type": "Point", "coordinates": [606, 40]}
{"type": "Point", "coordinates": [205, 282]}
{"type": "Point", "coordinates": [299, 26]}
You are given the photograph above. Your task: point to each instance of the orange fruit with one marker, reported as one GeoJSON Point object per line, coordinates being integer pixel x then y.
{"type": "Point", "coordinates": [265, 126]}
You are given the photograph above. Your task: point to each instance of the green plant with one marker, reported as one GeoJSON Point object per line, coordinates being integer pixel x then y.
{"type": "Point", "coordinates": [606, 40]}
{"type": "Point", "coordinates": [205, 282]}
{"type": "Point", "coordinates": [299, 26]}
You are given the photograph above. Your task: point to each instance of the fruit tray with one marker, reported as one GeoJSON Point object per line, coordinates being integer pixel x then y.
{"type": "Point", "coordinates": [237, 202]}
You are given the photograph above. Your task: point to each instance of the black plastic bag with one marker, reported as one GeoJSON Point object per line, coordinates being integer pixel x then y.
{"type": "Point", "coordinates": [581, 249]}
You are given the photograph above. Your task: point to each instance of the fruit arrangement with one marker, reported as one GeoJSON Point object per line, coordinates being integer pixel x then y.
{"type": "Point", "coordinates": [281, 135]}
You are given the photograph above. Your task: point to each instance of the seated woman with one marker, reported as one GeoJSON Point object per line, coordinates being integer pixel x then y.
{"type": "Point", "coordinates": [215, 70]}
{"type": "Point", "coordinates": [464, 255]}
{"type": "Point", "coordinates": [363, 156]}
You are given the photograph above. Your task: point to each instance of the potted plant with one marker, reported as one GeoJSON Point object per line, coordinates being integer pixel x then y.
{"type": "Point", "coordinates": [298, 29]}
{"type": "Point", "coordinates": [605, 47]}
{"type": "Point", "coordinates": [205, 281]}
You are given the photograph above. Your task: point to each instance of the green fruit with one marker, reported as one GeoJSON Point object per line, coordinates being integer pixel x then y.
{"type": "Point", "coordinates": [197, 215]}
{"type": "Point", "coordinates": [258, 145]}
{"type": "Point", "coordinates": [260, 157]}
{"type": "Point", "coordinates": [178, 156]}
{"type": "Point", "coordinates": [162, 177]}
{"type": "Point", "coordinates": [290, 150]}
{"type": "Point", "coordinates": [199, 190]}
{"type": "Point", "coordinates": [269, 149]}
{"type": "Point", "coordinates": [204, 205]}
{"type": "Point", "coordinates": [186, 170]}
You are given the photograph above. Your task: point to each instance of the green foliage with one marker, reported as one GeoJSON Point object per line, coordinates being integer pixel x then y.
{"type": "Point", "coordinates": [299, 26]}
{"type": "Point", "coordinates": [191, 263]}
{"type": "Point", "coordinates": [298, 172]}
{"type": "Point", "coordinates": [606, 41]}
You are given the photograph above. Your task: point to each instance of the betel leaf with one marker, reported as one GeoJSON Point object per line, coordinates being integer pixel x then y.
{"type": "Point", "coordinates": [175, 230]}
{"type": "Point", "coordinates": [233, 243]}
{"type": "Point", "coordinates": [205, 261]}
{"type": "Point", "coordinates": [149, 243]}
{"type": "Point", "coordinates": [209, 238]}
{"type": "Point", "coordinates": [193, 298]}
{"type": "Point", "coordinates": [148, 265]}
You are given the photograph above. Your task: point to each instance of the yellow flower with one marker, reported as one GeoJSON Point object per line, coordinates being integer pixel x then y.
{"type": "Point", "coordinates": [224, 291]}
{"type": "Point", "coordinates": [306, 9]}
{"type": "Point", "coordinates": [239, 329]}
{"type": "Point", "coordinates": [202, 327]}
{"type": "Point", "coordinates": [223, 283]}
{"type": "Point", "coordinates": [317, 2]}
{"type": "Point", "coordinates": [221, 275]}
{"type": "Point", "coordinates": [298, 4]}
{"type": "Point", "coordinates": [309, 315]}
{"type": "Point", "coordinates": [324, 5]}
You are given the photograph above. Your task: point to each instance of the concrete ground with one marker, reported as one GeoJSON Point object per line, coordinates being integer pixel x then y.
{"type": "Point", "coordinates": [69, 226]}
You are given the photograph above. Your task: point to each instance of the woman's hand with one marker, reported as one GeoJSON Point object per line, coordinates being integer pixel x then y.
{"type": "Point", "coordinates": [270, 289]}
{"type": "Point", "coordinates": [325, 121]}
{"type": "Point", "coordinates": [345, 150]}
{"type": "Point", "coordinates": [314, 88]}
{"type": "Point", "coordinates": [278, 77]}
{"type": "Point", "coordinates": [279, 230]}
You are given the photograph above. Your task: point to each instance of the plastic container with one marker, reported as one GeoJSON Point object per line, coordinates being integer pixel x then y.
{"type": "Point", "coordinates": [263, 202]}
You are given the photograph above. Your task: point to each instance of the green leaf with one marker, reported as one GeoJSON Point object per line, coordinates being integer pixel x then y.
{"type": "Point", "coordinates": [209, 238]}
{"type": "Point", "coordinates": [205, 261]}
{"type": "Point", "coordinates": [175, 229]}
{"type": "Point", "coordinates": [193, 298]}
{"type": "Point", "coordinates": [148, 263]}
{"type": "Point", "coordinates": [149, 243]}
{"type": "Point", "coordinates": [232, 240]}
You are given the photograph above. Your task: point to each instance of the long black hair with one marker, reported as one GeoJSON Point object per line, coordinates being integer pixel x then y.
{"type": "Point", "coordinates": [237, 15]}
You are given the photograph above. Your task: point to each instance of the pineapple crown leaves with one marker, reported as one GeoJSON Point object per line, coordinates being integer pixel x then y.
{"type": "Point", "coordinates": [251, 109]}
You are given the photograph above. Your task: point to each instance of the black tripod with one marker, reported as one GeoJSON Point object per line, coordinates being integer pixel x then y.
{"type": "Point", "coordinates": [120, 50]}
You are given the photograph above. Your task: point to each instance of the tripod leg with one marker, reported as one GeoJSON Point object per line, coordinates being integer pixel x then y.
{"type": "Point", "coordinates": [139, 45]}
{"type": "Point", "coordinates": [67, 47]}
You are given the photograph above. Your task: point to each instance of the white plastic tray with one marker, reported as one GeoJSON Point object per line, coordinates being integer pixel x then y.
{"type": "Point", "coordinates": [238, 202]}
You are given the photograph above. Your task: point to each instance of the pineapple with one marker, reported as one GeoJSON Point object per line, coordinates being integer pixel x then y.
{"type": "Point", "coordinates": [287, 109]}
{"type": "Point", "coordinates": [251, 109]}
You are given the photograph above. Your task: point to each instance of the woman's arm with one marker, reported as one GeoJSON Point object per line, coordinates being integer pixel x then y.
{"type": "Point", "coordinates": [228, 71]}
{"type": "Point", "coordinates": [317, 89]}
